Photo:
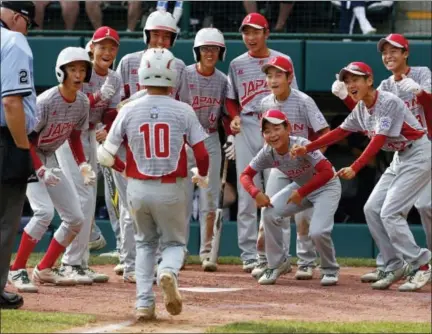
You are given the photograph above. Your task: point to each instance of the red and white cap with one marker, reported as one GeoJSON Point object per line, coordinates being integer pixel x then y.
{"type": "Point", "coordinates": [279, 62]}
{"type": "Point", "coordinates": [396, 40]}
{"type": "Point", "coordinates": [357, 68]}
{"type": "Point", "coordinates": [106, 33]}
{"type": "Point", "coordinates": [273, 116]}
{"type": "Point", "coordinates": [254, 20]}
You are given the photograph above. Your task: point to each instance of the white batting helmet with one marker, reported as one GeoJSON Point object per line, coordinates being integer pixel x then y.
{"type": "Point", "coordinates": [160, 20]}
{"type": "Point", "coordinates": [157, 68]}
{"type": "Point", "coordinates": [69, 55]}
{"type": "Point", "coordinates": [209, 36]}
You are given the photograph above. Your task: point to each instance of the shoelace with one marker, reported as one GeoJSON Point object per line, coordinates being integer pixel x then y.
{"type": "Point", "coordinates": [303, 268]}
{"type": "Point", "coordinates": [249, 261]}
{"type": "Point", "coordinates": [23, 275]}
{"type": "Point", "coordinates": [262, 265]}
{"type": "Point", "coordinates": [79, 270]}
{"type": "Point", "coordinates": [381, 275]}
{"type": "Point", "coordinates": [57, 272]}
{"type": "Point", "coordinates": [268, 272]}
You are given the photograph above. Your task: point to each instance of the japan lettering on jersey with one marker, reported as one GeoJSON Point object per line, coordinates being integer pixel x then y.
{"type": "Point", "coordinates": [301, 111]}
{"type": "Point", "coordinates": [96, 82]}
{"type": "Point", "coordinates": [156, 129]}
{"type": "Point", "coordinates": [128, 71]}
{"type": "Point", "coordinates": [56, 118]}
{"type": "Point", "coordinates": [247, 83]}
{"type": "Point", "coordinates": [205, 94]}
{"type": "Point", "coordinates": [300, 170]}
{"type": "Point", "coordinates": [421, 75]}
{"type": "Point", "coordinates": [390, 117]}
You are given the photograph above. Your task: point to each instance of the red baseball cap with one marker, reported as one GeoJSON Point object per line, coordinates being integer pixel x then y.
{"type": "Point", "coordinates": [357, 68]}
{"type": "Point", "coordinates": [396, 40]}
{"type": "Point", "coordinates": [280, 62]}
{"type": "Point", "coordinates": [106, 33]}
{"type": "Point", "coordinates": [273, 116]}
{"type": "Point", "coordinates": [255, 20]}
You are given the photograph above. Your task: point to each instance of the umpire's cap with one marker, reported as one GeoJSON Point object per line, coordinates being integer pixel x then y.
{"type": "Point", "coordinates": [26, 8]}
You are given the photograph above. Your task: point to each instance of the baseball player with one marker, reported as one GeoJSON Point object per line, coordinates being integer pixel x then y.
{"type": "Point", "coordinates": [103, 92]}
{"type": "Point", "coordinates": [62, 113]}
{"type": "Point", "coordinates": [247, 86]}
{"type": "Point", "coordinates": [313, 185]}
{"type": "Point", "coordinates": [204, 88]}
{"type": "Point", "coordinates": [384, 118]}
{"type": "Point", "coordinates": [156, 128]}
{"type": "Point", "coordinates": [413, 86]}
{"type": "Point", "coordinates": [306, 120]}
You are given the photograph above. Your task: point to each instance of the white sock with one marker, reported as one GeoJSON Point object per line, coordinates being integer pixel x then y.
{"type": "Point", "coordinates": [360, 14]}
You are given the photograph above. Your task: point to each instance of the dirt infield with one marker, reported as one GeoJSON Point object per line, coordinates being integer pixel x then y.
{"type": "Point", "coordinates": [350, 300]}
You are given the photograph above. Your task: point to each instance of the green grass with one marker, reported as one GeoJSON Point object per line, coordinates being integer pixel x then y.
{"type": "Point", "coordinates": [322, 327]}
{"type": "Point", "coordinates": [19, 321]}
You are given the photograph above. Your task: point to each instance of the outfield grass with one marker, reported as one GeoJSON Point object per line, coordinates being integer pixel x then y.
{"type": "Point", "coordinates": [20, 321]}
{"type": "Point", "coordinates": [322, 327]}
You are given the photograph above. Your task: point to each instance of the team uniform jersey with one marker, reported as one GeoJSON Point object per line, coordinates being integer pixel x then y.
{"type": "Point", "coordinates": [205, 94]}
{"type": "Point", "coordinates": [128, 71]}
{"type": "Point", "coordinates": [96, 82]}
{"type": "Point", "coordinates": [300, 170]}
{"type": "Point", "coordinates": [247, 83]}
{"type": "Point", "coordinates": [156, 129]}
{"type": "Point", "coordinates": [421, 75]}
{"type": "Point", "coordinates": [301, 111]}
{"type": "Point", "coordinates": [56, 119]}
{"type": "Point", "coordinates": [389, 117]}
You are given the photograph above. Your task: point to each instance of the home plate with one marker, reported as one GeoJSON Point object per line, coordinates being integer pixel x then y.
{"type": "Point", "coordinates": [210, 290]}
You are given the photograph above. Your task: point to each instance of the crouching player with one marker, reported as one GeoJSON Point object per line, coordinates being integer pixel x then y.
{"type": "Point", "coordinates": [313, 185]}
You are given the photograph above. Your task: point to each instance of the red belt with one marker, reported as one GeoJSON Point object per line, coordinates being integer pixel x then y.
{"type": "Point", "coordinates": [163, 179]}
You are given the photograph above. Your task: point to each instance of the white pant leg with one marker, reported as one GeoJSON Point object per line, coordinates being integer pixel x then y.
{"type": "Point", "coordinates": [424, 207]}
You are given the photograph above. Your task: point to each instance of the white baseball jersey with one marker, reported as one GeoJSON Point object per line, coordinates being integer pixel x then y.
{"type": "Point", "coordinates": [205, 94]}
{"type": "Point", "coordinates": [56, 118]}
{"type": "Point", "coordinates": [247, 83]}
{"type": "Point", "coordinates": [421, 75]}
{"type": "Point", "coordinates": [128, 71]}
{"type": "Point", "coordinates": [301, 111]}
{"type": "Point", "coordinates": [390, 117]}
{"type": "Point", "coordinates": [156, 129]}
{"type": "Point", "coordinates": [96, 82]}
{"type": "Point", "coordinates": [300, 170]}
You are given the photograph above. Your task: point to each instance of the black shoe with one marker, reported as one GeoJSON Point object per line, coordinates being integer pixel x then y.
{"type": "Point", "coordinates": [9, 300]}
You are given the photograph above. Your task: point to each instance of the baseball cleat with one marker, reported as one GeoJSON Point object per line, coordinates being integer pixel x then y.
{"type": "Point", "coordinates": [209, 266]}
{"type": "Point", "coordinates": [119, 269]}
{"type": "Point", "coordinates": [329, 279]}
{"type": "Point", "coordinates": [129, 277]}
{"type": "Point", "coordinates": [95, 276]}
{"type": "Point", "coordinates": [77, 273]}
{"type": "Point", "coordinates": [21, 281]}
{"type": "Point", "coordinates": [97, 244]}
{"type": "Point", "coordinates": [145, 313]}
{"type": "Point", "coordinates": [172, 298]}
{"type": "Point", "coordinates": [271, 275]}
{"type": "Point", "coordinates": [114, 254]}
{"type": "Point", "coordinates": [304, 273]}
{"type": "Point", "coordinates": [258, 271]}
{"type": "Point", "coordinates": [53, 276]}
{"type": "Point", "coordinates": [417, 279]}
{"type": "Point", "coordinates": [392, 277]}
{"type": "Point", "coordinates": [249, 265]}
{"type": "Point", "coordinates": [373, 276]}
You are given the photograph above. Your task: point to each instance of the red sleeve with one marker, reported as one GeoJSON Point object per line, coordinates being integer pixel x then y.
{"type": "Point", "coordinates": [126, 91]}
{"type": "Point", "coordinates": [119, 165]}
{"type": "Point", "coordinates": [425, 99]}
{"type": "Point", "coordinates": [37, 163]}
{"type": "Point", "coordinates": [232, 107]}
{"type": "Point", "coordinates": [246, 180]}
{"type": "Point", "coordinates": [349, 102]}
{"type": "Point", "coordinates": [324, 173]}
{"type": "Point", "coordinates": [370, 151]}
{"type": "Point", "coordinates": [226, 125]}
{"type": "Point", "coordinates": [76, 147]}
{"type": "Point", "coordinates": [93, 98]}
{"type": "Point", "coordinates": [108, 118]}
{"type": "Point", "coordinates": [328, 139]}
{"type": "Point", "coordinates": [202, 158]}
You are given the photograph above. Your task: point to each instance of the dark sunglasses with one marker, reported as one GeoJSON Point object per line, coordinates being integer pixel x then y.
{"type": "Point", "coordinates": [29, 24]}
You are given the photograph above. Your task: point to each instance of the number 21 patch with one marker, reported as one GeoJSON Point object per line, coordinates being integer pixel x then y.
{"type": "Point", "coordinates": [23, 77]}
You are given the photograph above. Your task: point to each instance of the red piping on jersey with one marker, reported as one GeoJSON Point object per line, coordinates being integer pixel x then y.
{"type": "Point", "coordinates": [232, 106]}
{"type": "Point", "coordinates": [370, 151]}
{"type": "Point", "coordinates": [256, 57]}
{"type": "Point", "coordinates": [373, 103]}
{"type": "Point", "coordinates": [37, 163]}
{"type": "Point", "coordinates": [349, 102]}
{"type": "Point", "coordinates": [328, 139]}
{"type": "Point", "coordinates": [119, 165]}
{"type": "Point", "coordinates": [250, 98]}
{"type": "Point", "coordinates": [410, 133]}
{"type": "Point", "coordinates": [204, 74]}
{"type": "Point", "coordinates": [324, 173]}
{"type": "Point", "coordinates": [399, 78]}
{"type": "Point", "coordinates": [425, 100]}
{"type": "Point", "coordinates": [246, 180]}
{"type": "Point", "coordinates": [75, 144]}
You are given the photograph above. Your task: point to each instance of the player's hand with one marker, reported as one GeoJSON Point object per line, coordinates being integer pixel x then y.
{"type": "Point", "coordinates": [88, 174]}
{"type": "Point", "coordinates": [104, 157]}
{"type": "Point", "coordinates": [346, 173]}
{"type": "Point", "coordinates": [50, 176]}
{"type": "Point", "coordinates": [339, 89]}
{"type": "Point", "coordinates": [235, 125]}
{"type": "Point", "coordinates": [295, 198]}
{"type": "Point", "coordinates": [297, 151]}
{"type": "Point", "coordinates": [107, 91]}
{"type": "Point", "coordinates": [409, 85]}
{"type": "Point", "coordinates": [229, 148]}
{"type": "Point", "coordinates": [263, 201]}
{"type": "Point", "coordinates": [201, 181]}
{"type": "Point", "coordinates": [101, 135]}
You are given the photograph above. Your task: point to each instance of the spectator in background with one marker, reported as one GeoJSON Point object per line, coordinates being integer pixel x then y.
{"type": "Point", "coordinates": [134, 14]}
{"type": "Point", "coordinates": [350, 12]}
{"type": "Point", "coordinates": [285, 8]}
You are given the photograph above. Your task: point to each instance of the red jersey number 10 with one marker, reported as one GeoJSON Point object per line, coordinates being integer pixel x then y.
{"type": "Point", "coordinates": [156, 140]}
